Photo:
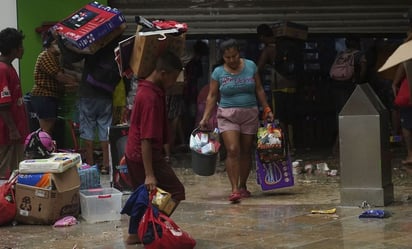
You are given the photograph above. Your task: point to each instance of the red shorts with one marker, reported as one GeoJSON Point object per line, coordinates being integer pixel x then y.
{"type": "Point", "coordinates": [165, 176]}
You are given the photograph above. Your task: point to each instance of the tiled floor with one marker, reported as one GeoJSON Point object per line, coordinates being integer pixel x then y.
{"type": "Point", "coordinates": [272, 219]}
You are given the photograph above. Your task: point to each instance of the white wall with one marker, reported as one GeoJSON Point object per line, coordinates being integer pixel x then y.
{"type": "Point", "coordinates": [8, 18]}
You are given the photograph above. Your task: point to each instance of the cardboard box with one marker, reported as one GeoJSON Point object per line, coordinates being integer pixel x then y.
{"type": "Point", "coordinates": [102, 42]}
{"type": "Point", "coordinates": [149, 45]}
{"type": "Point", "coordinates": [45, 206]}
{"type": "Point", "coordinates": [89, 24]}
{"type": "Point", "coordinates": [57, 163]}
{"type": "Point", "coordinates": [101, 204]}
{"type": "Point", "coordinates": [290, 30]}
{"type": "Point", "coordinates": [164, 202]}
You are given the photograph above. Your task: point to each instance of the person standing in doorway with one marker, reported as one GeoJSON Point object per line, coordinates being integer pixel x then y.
{"type": "Point", "coordinates": [50, 82]}
{"type": "Point", "coordinates": [13, 118]}
{"type": "Point", "coordinates": [237, 82]}
{"type": "Point", "coordinates": [283, 88]}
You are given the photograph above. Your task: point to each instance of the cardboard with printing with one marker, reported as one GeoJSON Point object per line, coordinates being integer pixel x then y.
{"type": "Point", "coordinates": [290, 30]}
{"type": "Point", "coordinates": [164, 202]}
{"type": "Point", "coordinates": [89, 24]}
{"type": "Point", "coordinates": [274, 174]}
{"type": "Point", "coordinates": [102, 42]}
{"type": "Point", "coordinates": [45, 206]}
{"type": "Point", "coordinates": [149, 45]}
{"type": "Point", "coordinates": [57, 163]}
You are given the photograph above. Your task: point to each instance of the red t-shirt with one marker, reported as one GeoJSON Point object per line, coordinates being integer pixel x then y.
{"type": "Point", "coordinates": [148, 121]}
{"type": "Point", "coordinates": [11, 95]}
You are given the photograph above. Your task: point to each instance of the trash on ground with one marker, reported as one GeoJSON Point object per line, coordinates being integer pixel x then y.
{"type": "Point", "coordinates": [375, 213]}
{"type": "Point", "coordinates": [66, 221]}
{"type": "Point", "coordinates": [365, 205]}
{"type": "Point", "coordinates": [326, 211]}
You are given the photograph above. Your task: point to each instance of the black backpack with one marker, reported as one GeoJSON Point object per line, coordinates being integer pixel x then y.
{"type": "Point", "coordinates": [101, 69]}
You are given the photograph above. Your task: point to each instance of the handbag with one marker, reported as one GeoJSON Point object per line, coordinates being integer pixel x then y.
{"type": "Point", "coordinates": [403, 97]}
{"type": "Point", "coordinates": [8, 208]}
{"type": "Point", "coordinates": [157, 231]}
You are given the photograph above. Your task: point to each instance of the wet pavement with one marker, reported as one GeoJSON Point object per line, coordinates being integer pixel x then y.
{"type": "Point", "coordinates": [268, 219]}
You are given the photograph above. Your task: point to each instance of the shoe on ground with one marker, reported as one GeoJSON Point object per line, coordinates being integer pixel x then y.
{"type": "Point", "coordinates": [235, 197]}
{"type": "Point", "coordinates": [132, 239]}
{"type": "Point", "coordinates": [244, 193]}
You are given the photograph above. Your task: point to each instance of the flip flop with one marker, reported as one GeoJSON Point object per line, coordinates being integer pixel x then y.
{"type": "Point", "coordinates": [235, 197]}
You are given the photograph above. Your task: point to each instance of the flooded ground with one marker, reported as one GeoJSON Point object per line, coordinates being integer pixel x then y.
{"type": "Point", "coordinates": [279, 218]}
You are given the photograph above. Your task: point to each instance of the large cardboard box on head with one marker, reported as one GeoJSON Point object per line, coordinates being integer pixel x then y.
{"type": "Point", "coordinates": [149, 45]}
{"type": "Point", "coordinates": [290, 30]}
{"type": "Point", "coordinates": [45, 206]}
{"type": "Point", "coordinates": [89, 24]}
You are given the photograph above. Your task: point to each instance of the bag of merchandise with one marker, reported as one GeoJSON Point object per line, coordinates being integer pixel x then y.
{"type": "Point", "coordinates": [8, 207]}
{"type": "Point", "coordinates": [161, 232]}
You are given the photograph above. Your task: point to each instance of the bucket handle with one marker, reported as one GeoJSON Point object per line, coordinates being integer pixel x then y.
{"type": "Point", "coordinates": [197, 129]}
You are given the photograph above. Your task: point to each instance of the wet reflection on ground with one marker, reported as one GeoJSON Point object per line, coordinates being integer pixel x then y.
{"type": "Point", "coordinates": [272, 219]}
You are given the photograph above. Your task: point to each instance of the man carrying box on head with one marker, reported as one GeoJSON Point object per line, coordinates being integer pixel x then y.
{"type": "Point", "coordinates": [148, 133]}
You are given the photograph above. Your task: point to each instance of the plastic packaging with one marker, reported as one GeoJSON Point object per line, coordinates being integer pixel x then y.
{"type": "Point", "coordinates": [375, 213]}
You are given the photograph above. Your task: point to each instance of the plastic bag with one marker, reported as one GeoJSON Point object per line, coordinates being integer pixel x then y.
{"type": "Point", "coordinates": [8, 207]}
{"type": "Point", "coordinates": [375, 213]}
{"type": "Point", "coordinates": [161, 232]}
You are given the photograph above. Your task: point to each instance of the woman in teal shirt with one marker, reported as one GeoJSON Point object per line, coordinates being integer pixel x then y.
{"type": "Point", "coordinates": [237, 83]}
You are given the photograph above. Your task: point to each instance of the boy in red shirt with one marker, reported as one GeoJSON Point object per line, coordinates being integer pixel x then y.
{"type": "Point", "coordinates": [13, 118]}
{"type": "Point", "coordinates": [148, 133]}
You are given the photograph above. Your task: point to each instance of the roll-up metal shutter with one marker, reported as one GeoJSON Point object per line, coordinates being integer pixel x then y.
{"type": "Point", "coordinates": [219, 17]}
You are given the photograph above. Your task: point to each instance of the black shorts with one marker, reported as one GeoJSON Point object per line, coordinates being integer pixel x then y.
{"type": "Point", "coordinates": [284, 107]}
{"type": "Point", "coordinates": [406, 117]}
{"type": "Point", "coordinates": [45, 107]}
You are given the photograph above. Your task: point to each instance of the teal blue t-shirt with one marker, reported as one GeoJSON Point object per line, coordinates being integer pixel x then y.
{"type": "Point", "coordinates": [237, 90]}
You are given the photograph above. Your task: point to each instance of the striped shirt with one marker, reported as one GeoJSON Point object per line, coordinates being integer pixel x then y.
{"type": "Point", "coordinates": [45, 70]}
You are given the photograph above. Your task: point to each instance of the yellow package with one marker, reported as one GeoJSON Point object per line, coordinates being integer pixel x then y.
{"type": "Point", "coordinates": [164, 202]}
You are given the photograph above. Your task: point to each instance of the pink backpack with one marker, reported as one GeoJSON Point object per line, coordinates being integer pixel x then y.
{"type": "Point", "coordinates": [343, 68]}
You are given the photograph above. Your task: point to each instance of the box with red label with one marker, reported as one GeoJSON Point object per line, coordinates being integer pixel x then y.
{"type": "Point", "coordinates": [89, 24]}
{"type": "Point", "coordinates": [100, 204]}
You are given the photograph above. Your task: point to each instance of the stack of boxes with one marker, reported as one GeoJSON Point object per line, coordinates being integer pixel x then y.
{"type": "Point", "coordinates": [48, 189]}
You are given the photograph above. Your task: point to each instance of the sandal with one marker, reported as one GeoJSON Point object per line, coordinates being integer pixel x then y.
{"type": "Point", "coordinates": [244, 193]}
{"type": "Point", "coordinates": [235, 197]}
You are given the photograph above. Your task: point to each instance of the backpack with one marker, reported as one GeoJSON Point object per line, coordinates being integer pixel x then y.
{"type": "Point", "coordinates": [343, 68]}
